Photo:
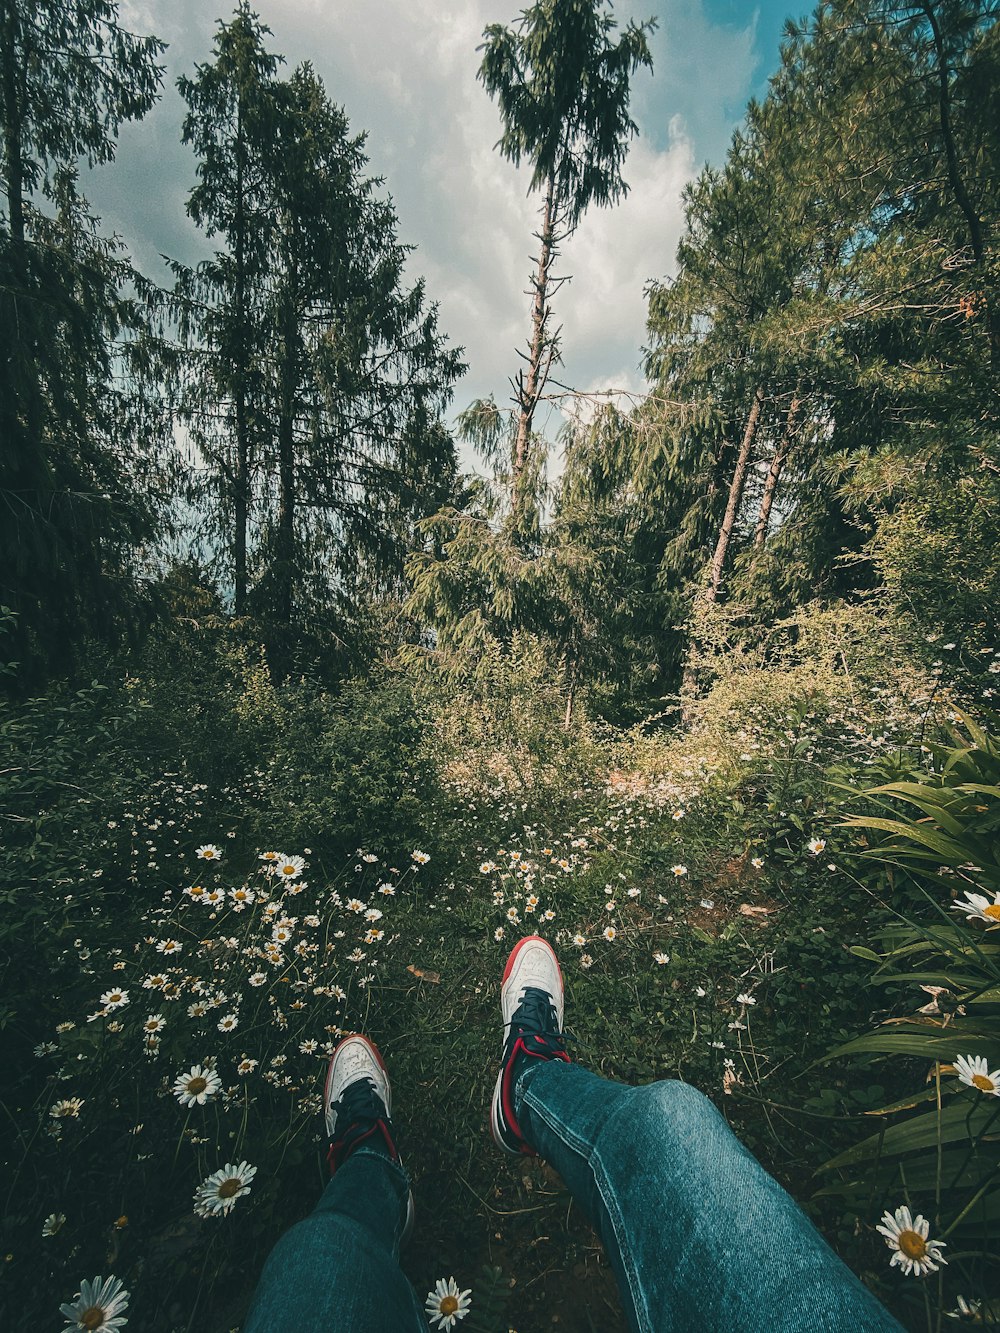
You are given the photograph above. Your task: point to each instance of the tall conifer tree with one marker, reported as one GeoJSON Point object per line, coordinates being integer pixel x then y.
{"type": "Point", "coordinates": [78, 436]}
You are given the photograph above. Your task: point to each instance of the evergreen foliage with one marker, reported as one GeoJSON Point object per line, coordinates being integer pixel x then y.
{"type": "Point", "coordinates": [84, 444]}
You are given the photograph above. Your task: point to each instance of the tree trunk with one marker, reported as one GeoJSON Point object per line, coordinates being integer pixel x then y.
{"type": "Point", "coordinates": [242, 488]}
{"type": "Point", "coordinates": [14, 183]}
{"type": "Point", "coordinates": [735, 493]}
{"type": "Point", "coordinates": [774, 471]}
{"type": "Point", "coordinates": [570, 695]}
{"type": "Point", "coordinates": [286, 455]}
{"type": "Point", "coordinates": [972, 218]}
{"type": "Point", "coordinates": [530, 386]}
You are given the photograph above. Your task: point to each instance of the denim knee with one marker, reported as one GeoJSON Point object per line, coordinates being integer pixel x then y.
{"type": "Point", "coordinates": [672, 1108]}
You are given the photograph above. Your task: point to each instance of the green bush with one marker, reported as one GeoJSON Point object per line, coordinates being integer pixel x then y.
{"type": "Point", "coordinates": [937, 1147]}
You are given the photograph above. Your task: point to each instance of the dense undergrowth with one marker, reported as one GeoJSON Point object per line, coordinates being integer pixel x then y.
{"type": "Point", "coordinates": [210, 877]}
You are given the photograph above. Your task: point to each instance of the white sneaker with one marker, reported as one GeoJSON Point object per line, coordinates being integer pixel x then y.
{"type": "Point", "coordinates": [531, 1001]}
{"type": "Point", "coordinates": [357, 1106]}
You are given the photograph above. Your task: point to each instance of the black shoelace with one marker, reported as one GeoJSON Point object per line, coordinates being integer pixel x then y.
{"type": "Point", "coordinates": [535, 1021]}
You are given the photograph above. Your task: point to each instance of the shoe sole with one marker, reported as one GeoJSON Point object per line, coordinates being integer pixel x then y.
{"type": "Point", "coordinates": [495, 1124]}
{"type": "Point", "coordinates": [407, 1231]}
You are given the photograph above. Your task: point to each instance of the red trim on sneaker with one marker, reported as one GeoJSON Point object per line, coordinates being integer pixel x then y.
{"type": "Point", "coordinates": [507, 1091]}
{"type": "Point", "coordinates": [341, 1149]}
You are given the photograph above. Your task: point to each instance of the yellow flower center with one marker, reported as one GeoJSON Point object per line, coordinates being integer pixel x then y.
{"type": "Point", "coordinates": [229, 1187]}
{"type": "Point", "coordinates": [92, 1318]}
{"type": "Point", "coordinates": [208, 854]}
{"type": "Point", "coordinates": [993, 911]}
{"type": "Point", "coordinates": [449, 1305]}
{"type": "Point", "coordinates": [197, 1085]}
{"type": "Point", "coordinates": [983, 1083]}
{"type": "Point", "coordinates": [912, 1244]}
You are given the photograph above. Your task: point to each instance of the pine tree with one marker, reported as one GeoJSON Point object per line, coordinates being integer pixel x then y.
{"type": "Point", "coordinates": [332, 375]}
{"type": "Point", "coordinates": [79, 432]}
{"type": "Point", "coordinates": [562, 84]}
{"type": "Point", "coordinates": [230, 124]}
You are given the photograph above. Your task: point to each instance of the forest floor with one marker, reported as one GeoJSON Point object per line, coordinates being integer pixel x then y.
{"type": "Point", "coordinates": [703, 934]}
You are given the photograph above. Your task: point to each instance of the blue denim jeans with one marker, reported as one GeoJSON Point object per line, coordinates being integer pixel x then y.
{"type": "Point", "coordinates": [701, 1238]}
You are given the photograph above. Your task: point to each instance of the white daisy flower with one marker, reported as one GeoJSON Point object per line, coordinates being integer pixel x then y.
{"type": "Point", "coordinates": [609, 933]}
{"type": "Point", "coordinates": [195, 892]}
{"type": "Point", "coordinates": [246, 1065]}
{"type": "Point", "coordinates": [487, 867]}
{"type": "Point", "coordinates": [242, 897]}
{"type": "Point", "coordinates": [907, 1237]}
{"type": "Point", "coordinates": [209, 852]}
{"type": "Point", "coordinates": [498, 933]}
{"type": "Point", "coordinates": [579, 940]}
{"type": "Point", "coordinates": [271, 858]}
{"type": "Point", "coordinates": [756, 862]}
{"type": "Point", "coordinates": [816, 845]}
{"type": "Point", "coordinates": [218, 1192]}
{"type": "Point", "coordinates": [257, 978]}
{"type": "Point", "coordinates": [69, 1106]}
{"type": "Point", "coordinates": [53, 1223]}
{"type": "Point", "coordinates": [678, 814]}
{"type": "Point", "coordinates": [679, 871]}
{"type": "Point", "coordinates": [387, 889]}
{"type": "Point", "coordinates": [745, 998]}
{"type": "Point", "coordinates": [446, 1304]}
{"type": "Point", "coordinates": [355, 905]}
{"type": "Point", "coordinates": [421, 858]}
{"type": "Point", "coordinates": [661, 958]}
{"type": "Point", "coordinates": [586, 960]}
{"type": "Point", "coordinates": [100, 1307]}
{"type": "Point", "coordinates": [154, 1023]}
{"type": "Point", "coordinates": [964, 1309]}
{"type": "Point", "coordinates": [370, 857]}
{"type": "Point", "coordinates": [114, 998]}
{"type": "Point", "coordinates": [197, 1086]}
{"type": "Point", "coordinates": [976, 905]}
{"type": "Point", "coordinates": [228, 1022]}
{"type": "Point", "coordinates": [373, 914]}
{"type": "Point", "coordinates": [290, 867]}
{"type": "Point", "coordinates": [169, 946]}
{"type": "Point", "coordinates": [974, 1072]}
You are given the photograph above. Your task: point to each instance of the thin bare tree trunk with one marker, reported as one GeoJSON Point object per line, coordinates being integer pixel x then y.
{"type": "Point", "coordinates": [735, 494]}
{"type": "Point", "coordinates": [242, 488]}
{"type": "Point", "coordinates": [571, 695]}
{"type": "Point", "coordinates": [286, 461]}
{"type": "Point", "coordinates": [774, 471]}
{"type": "Point", "coordinates": [530, 385]}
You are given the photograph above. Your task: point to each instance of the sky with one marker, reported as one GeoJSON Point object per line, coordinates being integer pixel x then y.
{"type": "Point", "coordinates": [405, 72]}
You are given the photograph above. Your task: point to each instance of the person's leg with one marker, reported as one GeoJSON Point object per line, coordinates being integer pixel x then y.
{"type": "Point", "coordinates": [700, 1236]}
{"type": "Point", "coordinates": [338, 1270]}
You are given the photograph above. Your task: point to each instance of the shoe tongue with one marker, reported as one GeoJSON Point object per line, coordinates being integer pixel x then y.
{"type": "Point", "coordinates": [536, 1010]}
{"type": "Point", "coordinates": [360, 1101]}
